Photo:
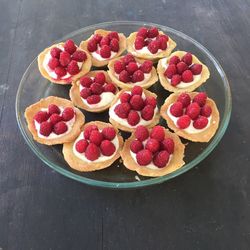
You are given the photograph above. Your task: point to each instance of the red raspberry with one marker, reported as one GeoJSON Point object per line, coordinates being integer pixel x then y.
{"type": "Point", "coordinates": [60, 128]}
{"type": "Point", "coordinates": [158, 133]}
{"type": "Point", "coordinates": [97, 38]}
{"type": "Point", "coordinates": [92, 152]}
{"type": "Point", "coordinates": [109, 133]}
{"type": "Point", "coordinates": [107, 148]}
{"type": "Point", "coordinates": [60, 71]}
{"type": "Point", "coordinates": [64, 58]}
{"type": "Point", "coordinates": [86, 81]}
{"type": "Point", "coordinates": [144, 157]}
{"type": "Point", "coordinates": [183, 121]}
{"type": "Point", "coordinates": [139, 42]}
{"type": "Point", "coordinates": [53, 109]}
{"type": "Point", "coordinates": [176, 109]}
{"type": "Point", "coordinates": [81, 146]}
{"type": "Point", "coordinates": [53, 63]}
{"type": "Point", "coordinates": [187, 58]}
{"type": "Point", "coordinates": [96, 137]}
{"type": "Point", "coordinates": [201, 122]}
{"type": "Point", "coordinates": [133, 118]}
{"type": "Point", "coordinates": [170, 71]}
{"type": "Point", "coordinates": [185, 99]}
{"type": "Point", "coordinates": [132, 67]}
{"type": "Point", "coordinates": [147, 113]}
{"type": "Point", "coordinates": [73, 68]}
{"type": "Point", "coordinates": [113, 35]}
{"type": "Point", "coordinates": [138, 76]}
{"type": "Point", "coordinates": [125, 97]}
{"type": "Point", "coordinates": [41, 116]}
{"type": "Point", "coordinates": [96, 88]}
{"type": "Point", "coordinates": [105, 41]}
{"type": "Point", "coordinates": [79, 56]}
{"type": "Point", "coordinates": [136, 102]}
{"type": "Point", "coordinates": [175, 80]}
{"type": "Point", "coordinates": [136, 146]}
{"type": "Point", "coordinates": [45, 128]}
{"type": "Point", "coordinates": [150, 100]}
{"type": "Point", "coordinates": [68, 114]}
{"type": "Point", "coordinates": [124, 76]}
{"type": "Point", "coordinates": [88, 129]}
{"type": "Point", "coordinates": [187, 76]}
{"type": "Point", "coordinates": [93, 99]}
{"type": "Point", "coordinates": [119, 67]}
{"type": "Point", "coordinates": [161, 159]}
{"type": "Point", "coordinates": [128, 58]}
{"type": "Point", "coordinates": [181, 67]}
{"type": "Point", "coordinates": [196, 69]}
{"type": "Point", "coordinates": [85, 93]}
{"type": "Point", "coordinates": [55, 118]}
{"type": "Point", "coordinates": [143, 32]}
{"type": "Point", "coordinates": [152, 145]}
{"type": "Point", "coordinates": [136, 90]}
{"type": "Point", "coordinates": [153, 32]}
{"type": "Point", "coordinates": [146, 66]}
{"type": "Point", "coordinates": [206, 110]}
{"type": "Point", "coordinates": [168, 144]}
{"type": "Point", "coordinates": [163, 39]}
{"type": "Point", "coordinates": [105, 51]}
{"type": "Point", "coordinates": [193, 110]}
{"type": "Point", "coordinates": [154, 46]}
{"type": "Point", "coordinates": [110, 87]}
{"type": "Point", "coordinates": [100, 78]}
{"type": "Point", "coordinates": [174, 60]}
{"type": "Point", "coordinates": [92, 45]}
{"type": "Point", "coordinates": [122, 110]}
{"type": "Point", "coordinates": [69, 46]}
{"type": "Point", "coordinates": [141, 133]}
{"type": "Point", "coordinates": [114, 45]}
{"type": "Point", "coordinates": [55, 52]}
{"type": "Point", "coordinates": [200, 98]}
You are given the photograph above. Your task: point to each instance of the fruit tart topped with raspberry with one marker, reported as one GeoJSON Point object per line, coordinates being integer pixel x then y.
{"type": "Point", "coordinates": [153, 152]}
{"type": "Point", "coordinates": [93, 92]}
{"type": "Point", "coordinates": [134, 107]}
{"type": "Point", "coordinates": [97, 147]}
{"type": "Point", "coordinates": [192, 116]}
{"type": "Point", "coordinates": [64, 62]}
{"type": "Point", "coordinates": [104, 45]}
{"type": "Point", "coordinates": [54, 120]}
{"type": "Point", "coordinates": [150, 43]}
{"type": "Point", "coordinates": [128, 71]}
{"type": "Point", "coordinates": [182, 72]}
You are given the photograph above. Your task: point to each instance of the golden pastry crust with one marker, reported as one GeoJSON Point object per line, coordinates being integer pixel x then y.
{"type": "Point", "coordinates": [176, 161]}
{"type": "Point", "coordinates": [122, 47]}
{"type": "Point", "coordinates": [203, 136]}
{"type": "Point", "coordinates": [44, 103]}
{"type": "Point", "coordinates": [153, 78]}
{"type": "Point", "coordinates": [153, 57]}
{"type": "Point", "coordinates": [85, 66]}
{"type": "Point", "coordinates": [76, 98]}
{"type": "Point", "coordinates": [167, 85]}
{"type": "Point", "coordinates": [84, 166]}
{"type": "Point", "coordinates": [154, 121]}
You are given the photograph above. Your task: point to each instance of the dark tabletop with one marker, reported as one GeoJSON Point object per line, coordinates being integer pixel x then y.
{"type": "Point", "coordinates": [205, 208]}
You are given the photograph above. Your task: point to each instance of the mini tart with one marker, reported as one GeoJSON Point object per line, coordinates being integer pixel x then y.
{"type": "Point", "coordinates": [150, 81]}
{"type": "Point", "coordinates": [98, 63]}
{"type": "Point", "coordinates": [175, 162]}
{"type": "Point", "coordinates": [166, 84]}
{"type": "Point", "coordinates": [44, 103]}
{"type": "Point", "coordinates": [77, 99]}
{"type": "Point", "coordinates": [86, 166]}
{"type": "Point", "coordinates": [85, 68]}
{"type": "Point", "coordinates": [204, 135]}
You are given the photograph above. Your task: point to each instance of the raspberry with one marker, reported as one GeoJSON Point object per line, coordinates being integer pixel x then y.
{"type": "Point", "coordinates": [88, 129]}
{"type": "Point", "coordinates": [79, 56]}
{"type": "Point", "coordinates": [86, 81]}
{"type": "Point", "coordinates": [176, 109]}
{"type": "Point", "coordinates": [152, 145]}
{"type": "Point", "coordinates": [174, 60]}
{"type": "Point", "coordinates": [118, 67]}
{"type": "Point", "coordinates": [93, 99]}
{"type": "Point", "coordinates": [96, 88]}
{"type": "Point", "coordinates": [150, 100]}
{"type": "Point", "coordinates": [144, 157]}
{"type": "Point", "coordinates": [113, 35]}
{"type": "Point", "coordinates": [196, 69]}
{"type": "Point", "coordinates": [147, 113]}
{"type": "Point", "coordinates": [60, 128]}
{"type": "Point", "coordinates": [109, 133]}
{"type": "Point", "coordinates": [64, 58]}
{"type": "Point", "coordinates": [143, 32]}
{"type": "Point", "coordinates": [133, 118]}
{"type": "Point", "coordinates": [163, 39]}
{"type": "Point", "coordinates": [53, 109]}
{"type": "Point", "coordinates": [122, 110]}
{"type": "Point", "coordinates": [69, 46]}
{"type": "Point", "coordinates": [187, 58]}
{"type": "Point", "coordinates": [153, 32]}
{"type": "Point", "coordinates": [114, 45]}
{"type": "Point", "coordinates": [181, 67]}
{"type": "Point", "coordinates": [185, 99]}
{"type": "Point", "coordinates": [60, 71]}
{"type": "Point", "coordinates": [158, 133]}
{"type": "Point", "coordinates": [139, 42]}
{"type": "Point", "coordinates": [55, 52]}
{"type": "Point", "coordinates": [201, 122]}
{"type": "Point", "coordinates": [146, 66]}
{"type": "Point", "coordinates": [96, 137]}
{"type": "Point", "coordinates": [132, 67]}
{"type": "Point", "coordinates": [154, 46]}
{"type": "Point", "coordinates": [81, 146]}
{"type": "Point", "coordinates": [183, 121]}
{"type": "Point", "coordinates": [168, 144]}
{"type": "Point", "coordinates": [92, 45]}
{"type": "Point", "coordinates": [175, 80]}
{"type": "Point", "coordinates": [110, 87]}
{"type": "Point", "coordinates": [125, 97]}
{"type": "Point", "coordinates": [147, 42]}
{"type": "Point", "coordinates": [170, 71]}
{"type": "Point", "coordinates": [141, 133]}
{"type": "Point", "coordinates": [41, 116]}
{"type": "Point", "coordinates": [97, 38]}
{"type": "Point", "coordinates": [136, 90]}
{"type": "Point", "coordinates": [136, 146]}
{"type": "Point", "coordinates": [128, 58]}
{"type": "Point", "coordinates": [53, 63]}
{"type": "Point", "coordinates": [100, 78]}
{"type": "Point", "coordinates": [200, 98]}
{"type": "Point", "coordinates": [105, 41]}
{"type": "Point", "coordinates": [187, 76]}
{"type": "Point", "coordinates": [105, 51]}
{"type": "Point", "coordinates": [55, 118]}
{"type": "Point", "coordinates": [124, 76]}
{"type": "Point", "coordinates": [85, 93]}
{"type": "Point", "coordinates": [161, 159]}
{"type": "Point", "coordinates": [92, 152]}
{"type": "Point", "coordinates": [136, 102]}
{"type": "Point", "coordinates": [107, 148]}
{"type": "Point", "coordinates": [45, 128]}
{"type": "Point", "coordinates": [193, 110]}
{"type": "Point", "coordinates": [138, 76]}
{"type": "Point", "coordinates": [73, 68]}
{"type": "Point", "coordinates": [68, 114]}
{"type": "Point", "coordinates": [206, 110]}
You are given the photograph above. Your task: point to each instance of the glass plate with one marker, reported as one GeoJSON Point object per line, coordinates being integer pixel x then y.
{"type": "Point", "coordinates": [33, 87]}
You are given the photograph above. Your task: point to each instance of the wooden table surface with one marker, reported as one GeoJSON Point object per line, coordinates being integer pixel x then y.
{"type": "Point", "coordinates": [206, 208]}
